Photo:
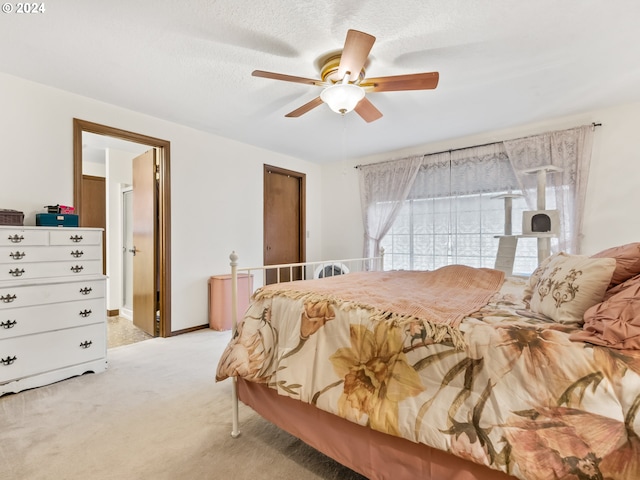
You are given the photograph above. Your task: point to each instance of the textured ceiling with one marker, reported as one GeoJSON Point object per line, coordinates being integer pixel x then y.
{"type": "Point", "coordinates": [501, 62]}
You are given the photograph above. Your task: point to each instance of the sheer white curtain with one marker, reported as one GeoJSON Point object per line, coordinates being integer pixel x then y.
{"type": "Point", "coordinates": [483, 169]}
{"type": "Point", "coordinates": [569, 150]}
{"type": "Point", "coordinates": [458, 184]}
{"type": "Point", "coordinates": [453, 194]}
{"type": "Point", "coordinates": [470, 171]}
{"type": "Point", "coordinates": [383, 189]}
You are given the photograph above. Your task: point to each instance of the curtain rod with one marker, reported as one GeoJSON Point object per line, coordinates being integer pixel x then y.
{"type": "Point", "coordinates": [593, 126]}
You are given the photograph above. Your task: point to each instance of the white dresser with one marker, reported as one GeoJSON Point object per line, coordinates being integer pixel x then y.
{"type": "Point", "coordinates": [52, 305]}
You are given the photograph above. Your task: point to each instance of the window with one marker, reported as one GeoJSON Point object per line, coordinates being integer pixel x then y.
{"type": "Point", "coordinates": [448, 212]}
{"type": "Point", "coordinates": [453, 217]}
{"type": "Point", "coordinates": [431, 233]}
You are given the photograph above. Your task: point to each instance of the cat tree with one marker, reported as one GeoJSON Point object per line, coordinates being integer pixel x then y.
{"type": "Point", "coordinates": [542, 224]}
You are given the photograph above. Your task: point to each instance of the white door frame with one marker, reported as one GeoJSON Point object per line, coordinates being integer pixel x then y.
{"type": "Point", "coordinates": [125, 311]}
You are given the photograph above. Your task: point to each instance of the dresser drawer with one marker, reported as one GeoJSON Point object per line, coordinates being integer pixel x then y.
{"type": "Point", "coordinates": [26, 271]}
{"type": "Point", "coordinates": [19, 237]}
{"type": "Point", "coordinates": [27, 295]}
{"type": "Point", "coordinates": [33, 354]}
{"type": "Point", "coordinates": [15, 322]}
{"type": "Point", "coordinates": [28, 254]}
{"type": "Point", "coordinates": [65, 236]}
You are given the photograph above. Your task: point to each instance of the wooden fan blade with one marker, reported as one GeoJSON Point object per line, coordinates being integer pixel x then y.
{"type": "Point", "coordinates": [305, 108]}
{"type": "Point", "coordinates": [414, 81]}
{"type": "Point", "coordinates": [357, 46]}
{"type": "Point", "coordinates": [287, 78]}
{"type": "Point", "coordinates": [367, 110]}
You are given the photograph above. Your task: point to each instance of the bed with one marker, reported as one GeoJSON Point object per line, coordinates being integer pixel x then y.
{"type": "Point", "coordinates": [456, 373]}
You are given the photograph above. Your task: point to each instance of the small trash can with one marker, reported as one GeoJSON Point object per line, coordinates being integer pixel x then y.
{"type": "Point", "coordinates": [220, 299]}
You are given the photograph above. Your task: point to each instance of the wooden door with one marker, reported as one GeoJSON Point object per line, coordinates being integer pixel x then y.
{"type": "Point", "coordinates": [144, 242]}
{"type": "Point", "coordinates": [284, 221]}
{"type": "Point", "coordinates": [93, 211]}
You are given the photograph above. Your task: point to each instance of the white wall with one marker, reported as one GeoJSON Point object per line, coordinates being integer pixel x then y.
{"type": "Point", "coordinates": [119, 174]}
{"type": "Point", "coordinates": [95, 169]}
{"type": "Point", "coordinates": [117, 171]}
{"type": "Point", "coordinates": [216, 183]}
{"type": "Point", "coordinates": [612, 195]}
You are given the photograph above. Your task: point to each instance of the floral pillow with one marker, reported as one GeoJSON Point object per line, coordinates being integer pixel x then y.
{"type": "Point", "coordinates": [570, 284]}
{"type": "Point", "coordinates": [627, 261]}
{"type": "Point", "coordinates": [614, 323]}
{"type": "Point", "coordinates": [535, 276]}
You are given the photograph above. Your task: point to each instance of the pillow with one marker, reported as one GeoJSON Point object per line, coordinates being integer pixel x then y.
{"type": "Point", "coordinates": [627, 261]}
{"type": "Point", "coordinates": [570, 284]}
{"type": "Point", "coordinates": [535, 276]}
{"type": "Point", "coordinates": [611, 291]}
{"type": "Point", "coordinates": [614, 323]}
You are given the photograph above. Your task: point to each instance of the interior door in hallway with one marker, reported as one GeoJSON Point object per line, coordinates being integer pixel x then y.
{"type": "Point", "coordinates": [93, 211]}
{"type": "Point", "coordinates": [144, 242]}
{"type": "Point", "coordinates": [284, 221]}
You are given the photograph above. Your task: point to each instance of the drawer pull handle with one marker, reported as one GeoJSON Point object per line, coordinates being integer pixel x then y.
{"type": "Point", "coordinates": [16, 272]}
{"type": "Point", "coordinates": [17, 255]}
{"type": "Point", "coordinates": [77, 254]}
{"type": "Point", "coordinates": [8, 298]}
{"type": "Point", "coordinates": [86, 290]}
{"type": "Point", "coordinates": [8, 324]}
{"type": "Point", "coordinates": [86, 344]}
{"type": "Point", "coordinates": [15, 238]}
{"type": "Point", "coordinates": [8, 360]}
{"type": "Point", "coordinates": [77, 268]}
{"type": "Point", "coordinates": [85, 313]}
{"type": "Point", "coordinates": [76, 238]}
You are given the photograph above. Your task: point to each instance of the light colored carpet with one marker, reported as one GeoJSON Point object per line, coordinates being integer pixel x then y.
{"type": "Point", "coordinates": [156, 413]}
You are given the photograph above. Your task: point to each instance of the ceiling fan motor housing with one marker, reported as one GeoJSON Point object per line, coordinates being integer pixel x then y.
{"type": "Point", "coordinates": [329, 70]}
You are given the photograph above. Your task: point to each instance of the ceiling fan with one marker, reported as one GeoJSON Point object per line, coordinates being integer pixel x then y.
{"type": "Point", "coordinates": [344, 81]}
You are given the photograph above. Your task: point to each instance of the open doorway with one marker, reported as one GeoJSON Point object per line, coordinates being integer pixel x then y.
{"type": "Point", "coordinates": [156, 301]}
{"type": "Point", "coordinates": [121, 329]}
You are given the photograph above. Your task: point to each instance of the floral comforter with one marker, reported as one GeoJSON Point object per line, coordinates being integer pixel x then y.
{"type": "Point", "coordinates": [520, 397]}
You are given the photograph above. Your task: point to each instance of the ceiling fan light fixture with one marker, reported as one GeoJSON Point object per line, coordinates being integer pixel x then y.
{"type": "Point", "coordinates": [344, 80]}
{"type": "Point", "coordinates": [342, 97]}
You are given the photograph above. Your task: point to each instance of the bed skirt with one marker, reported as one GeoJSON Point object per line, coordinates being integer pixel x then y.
{"type": "Point", "coordinates": [373, 454]}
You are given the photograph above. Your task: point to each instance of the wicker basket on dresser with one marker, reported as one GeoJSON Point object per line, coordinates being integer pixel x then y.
{"type": "Point", "coordinates": [52, 305]}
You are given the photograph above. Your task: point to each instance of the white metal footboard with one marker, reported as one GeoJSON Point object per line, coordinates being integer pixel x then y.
{"type": "Point", "coordinates": [286, 272]}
